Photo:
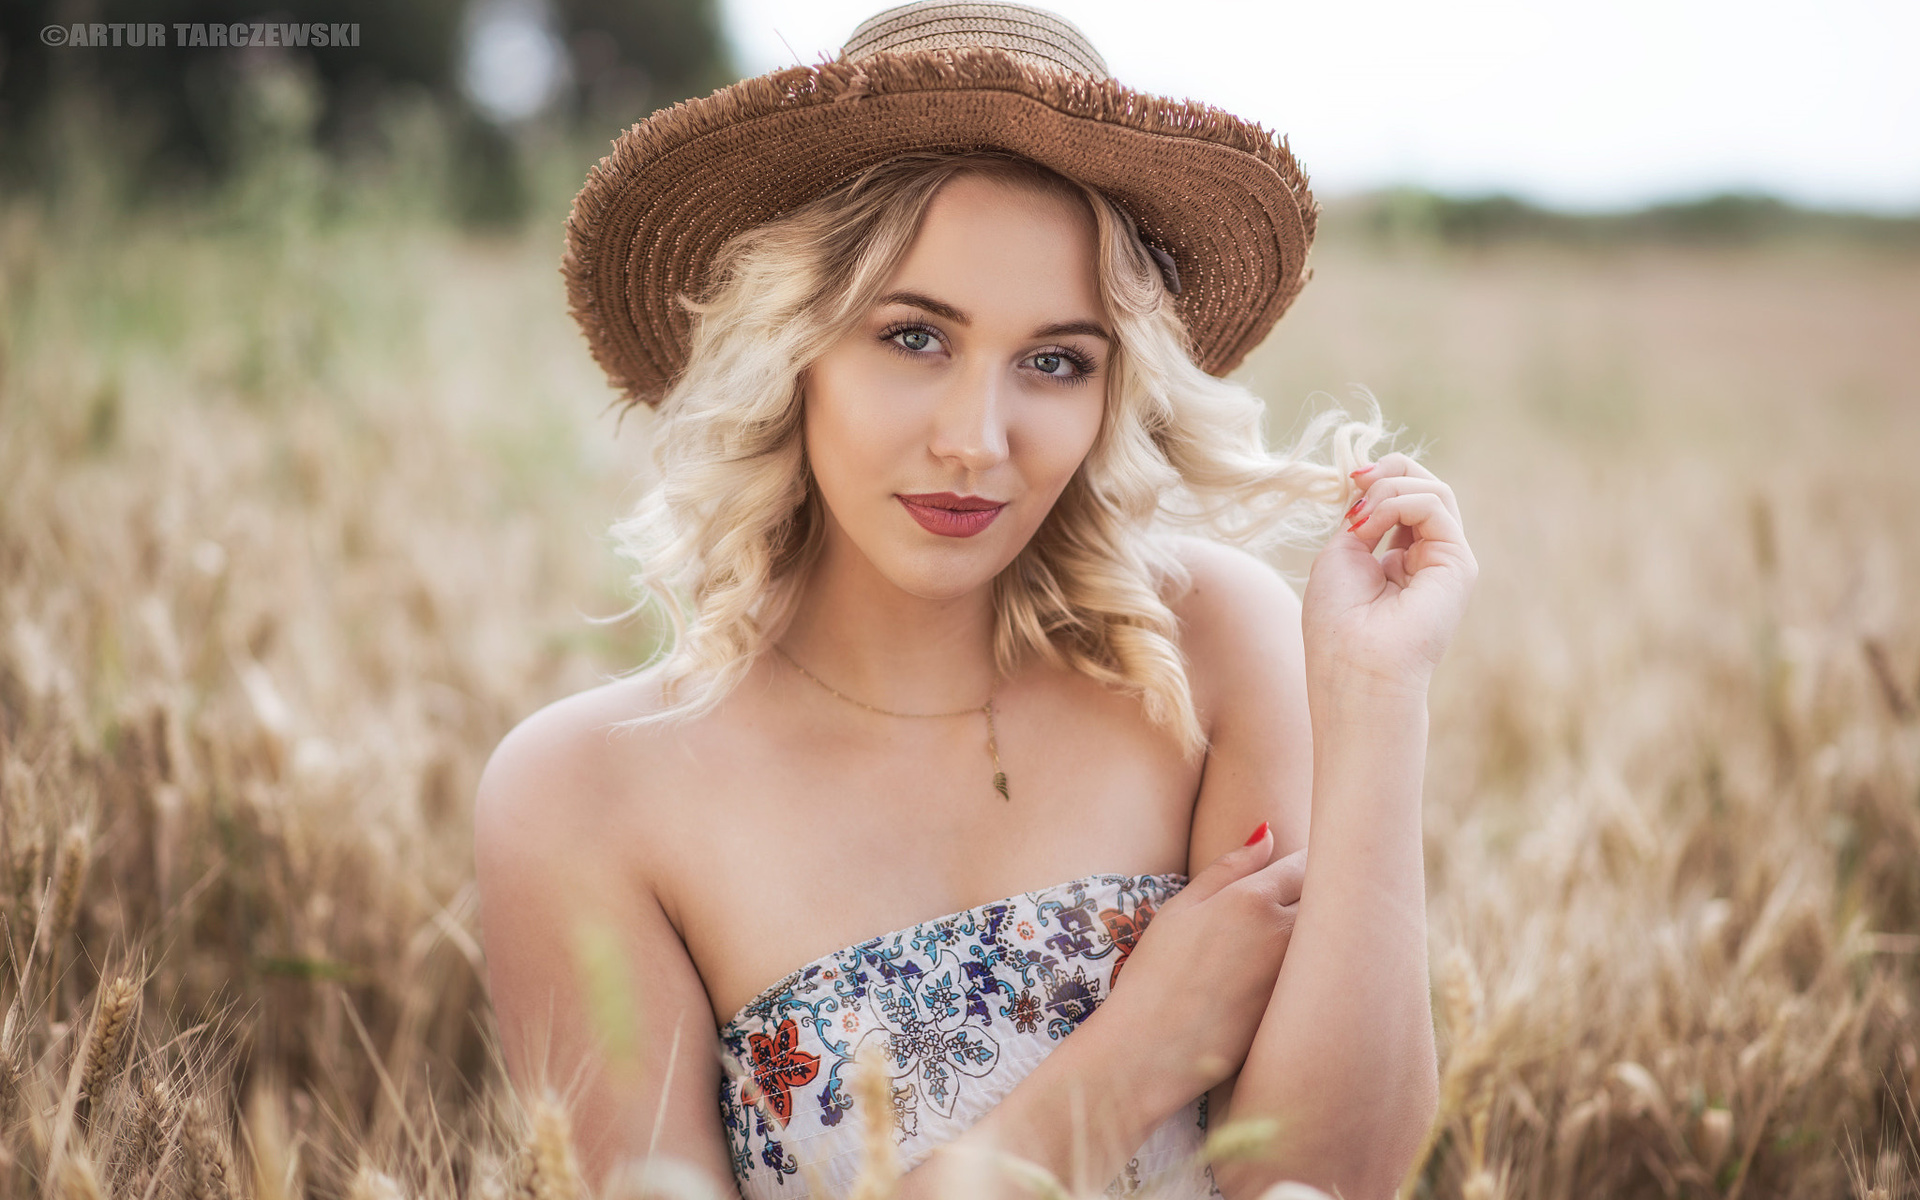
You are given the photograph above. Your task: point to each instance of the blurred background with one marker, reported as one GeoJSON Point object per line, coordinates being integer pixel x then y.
{"type": "Point", "coordinates": [305, 476]}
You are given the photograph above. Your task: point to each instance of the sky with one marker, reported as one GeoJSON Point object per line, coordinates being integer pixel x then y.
{"type": "Point", "coordinates": [1587, 106]}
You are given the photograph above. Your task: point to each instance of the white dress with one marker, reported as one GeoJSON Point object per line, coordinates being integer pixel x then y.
{"type": "Point", "coordinates": [962, 1007]}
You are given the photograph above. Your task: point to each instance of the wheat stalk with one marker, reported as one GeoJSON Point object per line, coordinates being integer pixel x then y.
{"type": "Point", "coordinates": [25, 860]}
{"type": "Point", "coordinates": [69, 873]}
{"type": "Point", "coordinates": [12, 1077]}
{"type": "Point", "coordinates": [157, 1120]}
{"type": "Point", "coordinates": [873, 1092]}
{"type": "Point", "coordinates": [78, 1180]}
{"type": "Point", "coordinates": [107, 1041]}
{"type": "Point", "coordinates": [371, 1184]}
{"type": "Point", "coordinates": [546, 1167]}
{"type": "Point", "coordinates": [210, 1172]}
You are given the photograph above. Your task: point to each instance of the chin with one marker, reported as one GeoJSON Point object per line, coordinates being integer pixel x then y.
{"type": "Point", "coordinates": [944, 568]}
{"type": "Point", "coordinates": [927, 565]}
{"type": "Point", "coordinates": [942, 574]}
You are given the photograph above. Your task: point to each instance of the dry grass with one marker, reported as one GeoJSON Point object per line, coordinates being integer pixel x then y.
{"type": "Point", "coordinates": [295, 523]}
{"type": "Point", "coordinates": [1674, 792]}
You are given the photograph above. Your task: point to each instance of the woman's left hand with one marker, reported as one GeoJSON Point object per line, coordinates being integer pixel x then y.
{"type": "Point", "coordinates": [1385, 622]}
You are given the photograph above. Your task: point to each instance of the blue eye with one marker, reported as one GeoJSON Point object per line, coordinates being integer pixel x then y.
{"type": "Point", "coordinates": [1048, 362]}
{"type": "Point", "coordinates": [912, 340]}
{"type": "Point", "coordinates": [920, 341]}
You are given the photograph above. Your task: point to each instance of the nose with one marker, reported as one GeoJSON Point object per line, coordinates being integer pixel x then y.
{"type": "Point", "coordinates": [969, 422]}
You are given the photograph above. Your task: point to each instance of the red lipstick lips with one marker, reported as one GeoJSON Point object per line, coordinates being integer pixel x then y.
{"type": "Point", "coordinates": [950, 515]}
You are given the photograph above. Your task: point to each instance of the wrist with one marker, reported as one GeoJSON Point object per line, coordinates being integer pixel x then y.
{"type": "Point", "coordinates": [1342, 677]}
{"type": "Point", "coordinates": [1142, 1063]}
{"type": "Point", "coordinates": [1355, 697]}
{"type": "Point", "coordinates": [1099, 1070]}
{"type": "Point", "coordinates": [1083, 1108]}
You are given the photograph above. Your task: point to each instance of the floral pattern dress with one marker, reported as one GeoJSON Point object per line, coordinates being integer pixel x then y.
{"type": "Point", "coordinates": [961, 1007]}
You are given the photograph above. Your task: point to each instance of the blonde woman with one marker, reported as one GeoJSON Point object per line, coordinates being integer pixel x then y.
{"type": "Point", "coordinates": [976, 693]}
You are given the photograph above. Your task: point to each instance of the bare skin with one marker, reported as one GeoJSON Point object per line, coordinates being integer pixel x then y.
{"type": "Point", "coordinates": [787, 824]}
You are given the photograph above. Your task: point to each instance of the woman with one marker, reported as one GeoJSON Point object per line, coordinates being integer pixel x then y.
{"type": "Point", "coordinates": [946, 386]}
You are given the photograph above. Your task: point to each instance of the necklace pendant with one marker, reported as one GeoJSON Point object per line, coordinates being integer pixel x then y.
{"type": "Point", "coordinates": [1000, 785]}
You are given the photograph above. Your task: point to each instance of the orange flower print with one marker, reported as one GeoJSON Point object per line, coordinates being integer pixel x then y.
{"type": "Point", "coordinates": [779, 1065]}
{"type": "Point", "coordinates": [1125, 931]}
{"type": "Point", "coordinates": [1026, 1011]}
{"type": "Point", "coordinates": [1025, 930]}
{"type": "Point", "coordinates": [850, 1022]}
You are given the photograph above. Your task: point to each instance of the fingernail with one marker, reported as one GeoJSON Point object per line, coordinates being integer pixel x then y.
{"type": "Point", "coordinates": [1361, 471]}
{"type": "Point", "coordinates": [1356, 504]}
{"type": "Point", "coordinates": [1356, 525]}
{"type": "Point", "coordinates": [1258, 833]}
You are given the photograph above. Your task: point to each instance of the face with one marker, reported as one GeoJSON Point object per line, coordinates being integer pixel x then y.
{"type": "Point", "coordinates": [942, 428]}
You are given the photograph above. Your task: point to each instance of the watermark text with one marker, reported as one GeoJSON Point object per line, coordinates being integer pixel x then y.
{"type": "Point", "coordinates": [222, 34]}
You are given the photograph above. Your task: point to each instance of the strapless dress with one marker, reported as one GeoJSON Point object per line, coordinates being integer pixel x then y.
{"type": "Point", "coordinates": [962, 1007]}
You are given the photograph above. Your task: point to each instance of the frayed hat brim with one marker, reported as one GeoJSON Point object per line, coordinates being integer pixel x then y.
{"type": "Point", "coordinates": [1221, 195]}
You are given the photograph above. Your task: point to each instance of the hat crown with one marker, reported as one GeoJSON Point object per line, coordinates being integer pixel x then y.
{"type": "Point", "coordinates": [1220, 196]}
{"type": "Point", "coordinates": [1020, 29]}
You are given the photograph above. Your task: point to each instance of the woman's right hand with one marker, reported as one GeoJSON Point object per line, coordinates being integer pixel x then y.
{"type": "Point", "coordinates": [1199, 979]}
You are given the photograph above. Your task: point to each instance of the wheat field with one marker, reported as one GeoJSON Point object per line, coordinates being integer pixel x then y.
{"type": "Point", "coordinates": [299, 513]}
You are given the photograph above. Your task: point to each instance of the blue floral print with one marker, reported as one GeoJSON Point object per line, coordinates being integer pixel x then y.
{"type": "Point", "coordinates": [961, 1008]}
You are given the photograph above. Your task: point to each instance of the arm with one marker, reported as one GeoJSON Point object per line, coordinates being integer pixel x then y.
{"type": "Point", "coordinates": [546, 876]}
{"type": "Point", "coordinates": [1352, 1030]}
{"type": "Point", "coordinates": [1350, 1023]}
{"type": "Point", "coordinates": [1240, 633]}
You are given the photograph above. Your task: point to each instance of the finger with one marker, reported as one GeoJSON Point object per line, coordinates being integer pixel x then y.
{"type": "Point", "coordinates": [1389, 465]}
{"type": "Point", "coordinates": [1423, 512]}
{"type": "Point", "coordinates": [1279, 883]}
{"type": "Point", "coordinates": [1235, 864]}
{"type": "Point", "coordinates": [1400, 485]}
{"type": "Point", "coordinates": [1290, 875]}
{"type": "Point", "coordinates": [1393, 564]}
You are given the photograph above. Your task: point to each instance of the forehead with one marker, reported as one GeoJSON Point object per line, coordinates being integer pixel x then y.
{"type": "Point", "coordinates": [1005, 244]}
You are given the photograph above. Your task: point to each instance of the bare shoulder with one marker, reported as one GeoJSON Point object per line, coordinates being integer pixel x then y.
{"type": "Point", "coordinates": [561, 827]}
{"type": "Point", "coordinates": [1246, 663]}
{"type": "Point", "coordinates": [559, 778]}
{"type": "Point", "coordinates": [1238, 614]}
{"type": "Point", "coordinates": [573, 793]}
{"type": "Point", "coordinates": [1226, 573]}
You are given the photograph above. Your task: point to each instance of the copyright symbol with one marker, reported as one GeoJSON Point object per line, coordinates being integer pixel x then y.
{"type": "Point", "coordinates": [54, 35]}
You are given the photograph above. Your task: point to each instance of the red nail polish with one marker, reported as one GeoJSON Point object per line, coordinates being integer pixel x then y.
{"type": "Point", "coordinates": [1361, 471]}
{"type": "Point", "coordinates": [1356, 504]}
{"type": "Point", "coordinates": [1258, 833]}
{"type": "Point", "coordinates": [1356, 525]}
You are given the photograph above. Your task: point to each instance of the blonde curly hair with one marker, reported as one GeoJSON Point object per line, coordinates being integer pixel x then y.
{"type": "Point", "coordinates": [724, 536]}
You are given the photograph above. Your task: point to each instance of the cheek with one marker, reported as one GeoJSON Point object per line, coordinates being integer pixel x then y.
{"type": "Point", "coordinates": [852, 443]}
{"type": "Point", "coordinates": [1059, 437]}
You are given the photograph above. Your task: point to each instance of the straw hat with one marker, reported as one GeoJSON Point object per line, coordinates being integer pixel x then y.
{"type": "Point", "coordinates": [1221, 197]}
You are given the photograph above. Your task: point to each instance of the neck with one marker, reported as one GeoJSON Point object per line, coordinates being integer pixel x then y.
{"type": "Point", "coordinates": [864, 636]}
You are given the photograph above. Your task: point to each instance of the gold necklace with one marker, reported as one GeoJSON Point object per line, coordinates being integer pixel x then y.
{"type": "Point", "coordinates": [993, 746]}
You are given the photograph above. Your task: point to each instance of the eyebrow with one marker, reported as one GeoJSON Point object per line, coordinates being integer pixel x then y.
{"type": "Point", "coordinates": [941, 308]}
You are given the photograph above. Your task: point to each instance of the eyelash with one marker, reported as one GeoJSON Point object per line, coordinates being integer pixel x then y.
{"type": "Point", "coordinates": [1082, 365]}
